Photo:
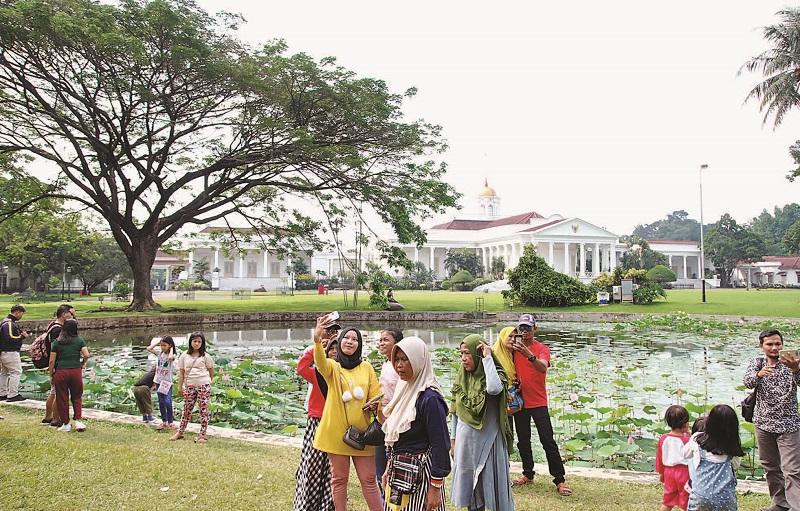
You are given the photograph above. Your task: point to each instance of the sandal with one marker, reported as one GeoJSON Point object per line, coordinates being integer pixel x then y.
{"type": "Point", "coordinates": [522, 480]}
{"type": "Point", "coordinates": [201, 439]}
{"type": "Point", "coordinates": [176, 436]}
{"type": "Point", "coordinates": [563, 489]}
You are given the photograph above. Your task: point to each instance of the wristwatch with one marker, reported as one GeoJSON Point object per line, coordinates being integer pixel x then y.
{"type": "Point", "coordinates": [531, 358]}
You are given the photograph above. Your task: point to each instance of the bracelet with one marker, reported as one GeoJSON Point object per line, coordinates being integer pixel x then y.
{"type": "Point", "coordinates": [437, 483]}
{"type": "Point", "coordinates": [531, 358]}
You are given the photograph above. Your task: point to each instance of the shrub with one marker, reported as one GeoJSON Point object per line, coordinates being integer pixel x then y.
{"type": "Point", "coordinates": [533, 282]}
{"type": "Point", "coordinates": [604, 282]}
{"type": "Point", "coordinates": [648, 292]}
{"type": "Point", "coordinates": [461, 280]}
{"type": "Point", "coordinates": [446, 284]}
{"type": "Point", "coordinates": [661, 274]}
{"type": "Point", "coordinates": [122, 288]}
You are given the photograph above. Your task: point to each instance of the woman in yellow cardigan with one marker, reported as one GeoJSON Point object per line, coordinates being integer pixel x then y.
{"type": "Point", "coordinates": [351, 383]}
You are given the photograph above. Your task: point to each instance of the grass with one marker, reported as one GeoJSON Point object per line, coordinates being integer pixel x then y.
{"type": "Point", "coordinates": [120, 467]}
{"type": "Point", "coordinates": [767, 302]}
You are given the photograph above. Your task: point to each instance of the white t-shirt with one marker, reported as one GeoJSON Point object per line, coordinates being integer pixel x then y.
{"type": "Point", "coordinates": [196, 368]}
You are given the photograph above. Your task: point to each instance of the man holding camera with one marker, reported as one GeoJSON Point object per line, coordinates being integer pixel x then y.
{"type": "Point", "coordinates": [531, 360]}
{"type": "Point", "coordinates": [11, 337]}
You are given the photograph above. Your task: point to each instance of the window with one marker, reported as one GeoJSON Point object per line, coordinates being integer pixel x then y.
{"type": "Point", "coordinates": [275, 269]}
{"type": "Point", "coordinates": [228, 269]}
{"type": "Point", "coordinates": [252, 269]}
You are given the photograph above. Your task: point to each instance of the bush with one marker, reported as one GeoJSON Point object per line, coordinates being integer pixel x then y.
{"type": "Point", "coordinates": [446, 284]}
{"type": "Point", "coordinates": [189, 285]}
{"type": "Point", "coordinates": [604, 282]}
{"type": "Point", "coordinates": [648, 292]}
{"type": "Point", "coordinates": [305, 281]}
{"type": "Point", "coordinates": [534, 283]}
{"type": "Point", "coordinates": [661, 274]}
{"type": "Point", "coordinates": [461, 280]}
{"type": "Point", "coordinates": [122, 288]}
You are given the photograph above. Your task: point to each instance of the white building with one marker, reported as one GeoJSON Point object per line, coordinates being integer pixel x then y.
{"type": "Point", "coordinates": [780, 271]}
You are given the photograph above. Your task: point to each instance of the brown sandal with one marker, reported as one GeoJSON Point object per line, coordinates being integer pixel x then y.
{"type": "Point", "coordinates": [201, 439]}
{"type": "Point", "coordinates": [563, 489]}
{"type": "Point", "coordinates": [176, 436]}
{"type": "Point", "coordinates": [522, 480]}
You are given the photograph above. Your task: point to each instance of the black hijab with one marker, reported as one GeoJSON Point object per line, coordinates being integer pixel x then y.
{"type": "Point", "coordinates": [349, 361]}
{"type": "Point", "coordinates": [322, 385]}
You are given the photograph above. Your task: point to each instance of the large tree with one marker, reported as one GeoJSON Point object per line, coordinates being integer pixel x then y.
{"type": "Point", "coordinates": [729, 243]}
{"type": "Point", "coordinates": [772, 228]}
{"type": "Point", "coordinates": [677, 226]}
{"type": "Point", "coordinates": [640, 256]}
{"type": "Point", "coordinates": [157, 118]}
{"type": "Point", "coordinates": [458, 259]}
{"type": "Point", "coordinates": [100, 259]}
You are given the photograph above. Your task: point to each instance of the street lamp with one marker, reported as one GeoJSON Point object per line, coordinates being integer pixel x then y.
{"type": "Point", "coordinates": [69, 273]}
{"type": "Point", "coordinates": [702, 241]}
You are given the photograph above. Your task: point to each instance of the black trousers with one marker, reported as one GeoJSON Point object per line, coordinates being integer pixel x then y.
{"type": "Point", "coordinates": [541, 418]}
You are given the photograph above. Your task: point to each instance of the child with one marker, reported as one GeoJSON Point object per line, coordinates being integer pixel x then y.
{"type": "Point", "coordinates": [162, 381]}
{"type": "Point", "coordinates": [670, 462]}
{"type": "Point", "coordinates": [196, 369]}
{"type": "Point", "coordinates": [713, 456]}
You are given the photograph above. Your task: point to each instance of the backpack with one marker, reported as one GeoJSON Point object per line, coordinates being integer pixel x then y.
{"type": "Point", "coordinates": [40, 355]}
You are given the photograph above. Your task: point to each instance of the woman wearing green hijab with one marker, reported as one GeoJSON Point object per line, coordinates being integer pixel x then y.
{"type": "Point", "coordinates": [481, 432]}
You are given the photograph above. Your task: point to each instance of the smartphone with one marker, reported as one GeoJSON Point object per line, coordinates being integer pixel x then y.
{"type": "Point", "coordinates": [794, 353]}
{"type": "Point", "coordinates": [331, 318]}
{"type": "Point", "coordinates": [372, 401]}
{"type": "Point", "coordinates": [517, 338]}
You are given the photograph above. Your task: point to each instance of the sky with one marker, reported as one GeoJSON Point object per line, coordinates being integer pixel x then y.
{"type": "Point", "coordinates": [600, 110]}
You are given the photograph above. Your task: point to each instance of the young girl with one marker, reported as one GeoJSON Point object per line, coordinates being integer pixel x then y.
{"type": "Point", "coordinates": [162, 382]}
{"type": "Point", "coordinates": [670, 462]}
{"type": "Point", "coordinates": [713, 456]}
{"type": "Point", "coordinates": [195, 370]}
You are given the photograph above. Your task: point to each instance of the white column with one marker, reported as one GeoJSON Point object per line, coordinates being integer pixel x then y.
{"type": "Point", "coordinates": [190, 268]}
{"type": "Point", "coordinates": [241, 266]}
{"type": "Point", "coordinates": [583, 259]}
{"type": "Point", "coordinates": [670, 261]}
{"type": "Point", "coordinates": [216, 259]}
{"type": "Point", "coordinates": [685, 274]}
{"type": "Point", "coordinates": [612, 257]}
{"type": "Point", "coordinates": [416, 255]}
{"type": "Point", "coordinates": [432, 249]}
{"type": "Point", "coordinates": [552, 259]}
{"type": "Point", "coordinates": [266, 263]}
{"type": "Point", "coordinates": [596, 260]}
{"type": "Point", "coordinates": [567, 270]}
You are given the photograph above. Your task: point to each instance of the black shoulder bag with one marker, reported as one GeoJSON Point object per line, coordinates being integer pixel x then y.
{"type": "Point", "coordinates": [749, 403]}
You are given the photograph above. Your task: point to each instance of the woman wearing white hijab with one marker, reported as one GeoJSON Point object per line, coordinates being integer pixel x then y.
{"type": "Point", "coordinates": [416, 433]}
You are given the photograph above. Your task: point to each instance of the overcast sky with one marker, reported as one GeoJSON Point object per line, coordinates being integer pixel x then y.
{"type": "Point", "coordinates": [602, 110]}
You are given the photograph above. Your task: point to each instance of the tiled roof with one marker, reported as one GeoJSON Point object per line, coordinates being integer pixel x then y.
{"type": "Point", "coordinates": [787, 262]}
{"type": "Point", "coordinates": [477, 225]}
{"type": "Point", "coordinates": [540, 227]}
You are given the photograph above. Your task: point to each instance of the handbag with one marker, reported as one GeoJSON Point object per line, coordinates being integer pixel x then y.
{"type": "Point", "coordinates": [354, 437]}
{"type": "Point", "coordinates": [749, 404]}
{"type": "Point", "coordinates": [514, 399]}
{"type": "Point", "coordinates": [374, 434]}
{"type": "Point", "coordinates": [405, 472]}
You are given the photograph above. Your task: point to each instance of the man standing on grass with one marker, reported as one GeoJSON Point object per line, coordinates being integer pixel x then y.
{"type": "Point", "coordinates": [531, 360]}
{"type": "Point", "coordinates": [11, 337]}
{"type": "Point", "coordinates": [63, 313]}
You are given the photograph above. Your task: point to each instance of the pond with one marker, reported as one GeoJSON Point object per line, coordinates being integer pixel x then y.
{"type": "Point", "coordinates": [609, 385]}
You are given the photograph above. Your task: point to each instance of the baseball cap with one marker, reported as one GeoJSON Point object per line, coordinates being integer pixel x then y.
{"type": "Point", "coordinates": [527, 319]}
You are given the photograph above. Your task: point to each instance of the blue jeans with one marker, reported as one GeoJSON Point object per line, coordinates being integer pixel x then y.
{"type": "Point", "coordinates": [165, 407]}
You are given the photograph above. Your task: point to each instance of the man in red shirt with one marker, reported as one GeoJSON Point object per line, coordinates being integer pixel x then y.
{"type": "Point", "coordinates": [531, 360]}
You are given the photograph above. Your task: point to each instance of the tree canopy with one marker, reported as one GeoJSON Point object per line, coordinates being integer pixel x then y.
{"type": "Point", "coordinates": [729, 243]}
{"type": "Point", "coordinates": [157, 117]}
{"type": "Point", "coordinates": [458, 259]}
{"type": "Point", "coordinates": [772, 228]}
{"type": "Point", "coordinates": [677, 226]}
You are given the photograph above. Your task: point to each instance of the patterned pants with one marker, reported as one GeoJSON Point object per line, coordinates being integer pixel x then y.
{"type": "Point", "coordinates": [313, 490]}
{"type": "Point", "coordinates": [201, 394]}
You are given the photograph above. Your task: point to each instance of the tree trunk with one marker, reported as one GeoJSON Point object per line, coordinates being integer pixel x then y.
{"type": "Point", "coordinates": [141, 259]}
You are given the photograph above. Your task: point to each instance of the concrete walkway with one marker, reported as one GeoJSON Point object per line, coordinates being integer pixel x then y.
{"type": "Point", "coordinates": [296, 442]}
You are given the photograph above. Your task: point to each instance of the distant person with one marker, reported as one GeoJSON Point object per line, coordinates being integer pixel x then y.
{"type": "Point", "coordinates": [11, 337]}
{"type": "Point", "coordinates": [390, 295]}
{"type": "Point", "coordinates": [775, 377]}
{"type": "Point", "coordinates": [142, 393]}
{"type": "Point", "coordinates": [481, 433]}
{"type": "Point", "coordinates": [670, 463]}
{"type": "Point", "coordinates": [195, 371]}
{"type": "Point", "coordinates": [313, 489]}
{"type": "Point", "coordinates": [713, 456]}
{"type": "Point", "coordinates": [162, 379]}
{"type": "Point", "coordinates": [68, 358]}
{"type": "Point", "coordinates": [351, 384]}
{"type": "Point", "coordinates": [63, 313]}
{"type": "Point", "coordinates": [531, 361]}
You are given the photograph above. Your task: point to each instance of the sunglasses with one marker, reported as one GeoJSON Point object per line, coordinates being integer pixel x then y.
{"type": "Point", "coordinates": [524, 328]}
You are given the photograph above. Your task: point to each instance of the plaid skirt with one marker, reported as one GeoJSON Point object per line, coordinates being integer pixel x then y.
{"type": "Point", "coordinates": [416, 501]}
{"type": "Point", "coordinates": [313, 490]}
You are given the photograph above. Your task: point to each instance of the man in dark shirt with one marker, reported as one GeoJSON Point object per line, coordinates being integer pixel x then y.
{"type": "Point", "coordinates": [11, 337]}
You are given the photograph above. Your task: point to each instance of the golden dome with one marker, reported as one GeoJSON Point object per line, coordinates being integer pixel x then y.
{"type": "Point", "coordinates": [488, 191]}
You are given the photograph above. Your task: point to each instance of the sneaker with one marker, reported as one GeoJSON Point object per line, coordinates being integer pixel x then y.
{"type": "Point", "coordinates": [79, 426]}
{"type": "Point", "coordinates": [66, 428]}
{"type": "Point", "coordinates": [56, 424]}
{"type": "Point", "coordinates": [15, 399]}
{"type": "Point", "coordinates": [149, 419]}
{"type": "Point", "coordinates": [45, 422]}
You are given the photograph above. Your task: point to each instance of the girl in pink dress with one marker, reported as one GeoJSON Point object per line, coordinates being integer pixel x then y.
{"type": "Point", "coordinates": [670, 463]}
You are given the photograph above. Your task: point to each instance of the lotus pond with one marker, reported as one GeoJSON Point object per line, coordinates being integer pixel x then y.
{"type": "Point", "coordinates": [609, 384]}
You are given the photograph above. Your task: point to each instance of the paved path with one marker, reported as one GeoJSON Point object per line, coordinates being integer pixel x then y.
{"type": "Point", "coordinates": [296, 442]}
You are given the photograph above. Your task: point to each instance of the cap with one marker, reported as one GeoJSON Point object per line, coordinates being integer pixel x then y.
{"type": "Point", "coordinates": [527, 319]}
{"type": "Point", "coordinates": [333, 326]}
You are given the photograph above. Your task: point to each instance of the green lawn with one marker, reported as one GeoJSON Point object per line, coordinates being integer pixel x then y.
{"type": "Point", "coordinates": [772, 302]}
{"type": "Point", "coordinates": [121, 467]}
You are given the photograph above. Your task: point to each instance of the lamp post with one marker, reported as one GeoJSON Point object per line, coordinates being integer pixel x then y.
{"type": "Point", "coordinates": [702, 240]}
{"type": "Point", "coordinates": [69, 274]}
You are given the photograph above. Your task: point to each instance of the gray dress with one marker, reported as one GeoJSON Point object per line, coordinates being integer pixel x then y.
{"type": "Point", "coordinates": [481, 478]}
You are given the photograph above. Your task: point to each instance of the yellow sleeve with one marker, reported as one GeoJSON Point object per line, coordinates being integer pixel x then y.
{"type": "Point", "coordinates": [374, 384]}
{"type": "Point", "coordinates": [322, 362]}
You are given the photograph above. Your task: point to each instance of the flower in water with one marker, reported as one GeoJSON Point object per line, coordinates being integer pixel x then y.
{"type": "Point", "coordinates": [631, 440]}
{"type": "Point", "coordinates": [573, 397]}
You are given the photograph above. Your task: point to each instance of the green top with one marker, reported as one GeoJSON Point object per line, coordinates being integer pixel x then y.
{"type": "Point", "coordinates": [69, 356]}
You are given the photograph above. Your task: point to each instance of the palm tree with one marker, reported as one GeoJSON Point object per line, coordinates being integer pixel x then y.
{"type": "Point", "coordinates": [778, 94]}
